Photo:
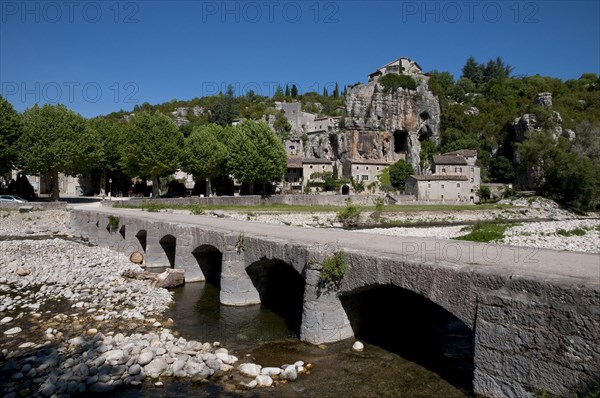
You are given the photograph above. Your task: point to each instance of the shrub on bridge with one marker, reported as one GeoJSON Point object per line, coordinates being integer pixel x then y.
{"type": "Point", "coordinates": [334, 269]}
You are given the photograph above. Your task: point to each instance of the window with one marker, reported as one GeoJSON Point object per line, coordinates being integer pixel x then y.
{"type": "Point", "coordinates": [377, 168]}
{"type": "Point", "coordinates": [367, 168]}
{"type": "Point", "coordinates": [428, 185]}
{"type": "Point", "coordinates": [442, 186]}
{"type": "Point", "coordinates": [443, 170]}
{"type": "Point", "coordinates": [472, 179]}
{"type": "Point", "coordinates": [442, 196]}
{"type": "Point", "coordinates": [311, 166]}
{"type": "Point", "coordinates": [323, 167]}
{"type": "Point", "coordinates": [458, 185]}
{"type": "Point", "coordinates": [292, 147]}
{"type": "Point", "coordinates": [356, 167]}
{"type": "Point", "coordinates": [365, 177]}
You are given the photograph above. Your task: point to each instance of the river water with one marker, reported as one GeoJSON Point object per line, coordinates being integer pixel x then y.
{"type": "Point", "coordinates": [258, 335]}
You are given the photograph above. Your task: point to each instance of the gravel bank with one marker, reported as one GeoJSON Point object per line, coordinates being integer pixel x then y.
{"type": "Point", "coordinates": [70, 324]}
{"type": "Point", "coordinates": [557, 235]}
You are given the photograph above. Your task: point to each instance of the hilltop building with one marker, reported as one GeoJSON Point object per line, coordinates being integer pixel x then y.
{"type": "Point", "coordinates": [400, 66]}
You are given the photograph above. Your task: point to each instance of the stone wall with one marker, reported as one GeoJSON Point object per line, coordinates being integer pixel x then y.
{"type": "Point", "coordinates": [34, 205]}
{"type": "Point", "coordinates": [536, 335]}
{"type": "Point", "coordinates": [301, 200]}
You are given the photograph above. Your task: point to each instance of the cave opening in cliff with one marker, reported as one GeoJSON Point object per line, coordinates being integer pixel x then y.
{"type": "Point", "coordinates": [400, 141]}
{"type": "Point", "coordinates": [424, 133]}
{"type": "Point", "coordinates": [424, 116]}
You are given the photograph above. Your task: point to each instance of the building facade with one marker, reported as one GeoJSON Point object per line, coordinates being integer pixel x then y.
{"type": "Point", "coordinates": [456, 179]}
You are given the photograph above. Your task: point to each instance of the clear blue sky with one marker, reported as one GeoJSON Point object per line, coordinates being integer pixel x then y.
{"type": "Point", "coordinates": [103, 56]}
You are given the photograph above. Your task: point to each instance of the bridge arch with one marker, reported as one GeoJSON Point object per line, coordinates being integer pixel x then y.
{"type": "Point", "coordinates": [281, 289]}
{"type": "Point", "coordinates": [142, 237]}
{"type": "Point", "coordinates": [210, 261]}
{"type": "Point", "coordinates": [428, 334]}
{"type": "Point", "coordinates": [169, 245]}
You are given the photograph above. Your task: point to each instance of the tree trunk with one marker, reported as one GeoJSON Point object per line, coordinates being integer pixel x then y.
{"type": "Point", "coordinates": [55, 187]}
{"type": "Point", "coordinates": [155, 186]}
{"type": "Point", "coordinates": [208, 188]}
{"type": "Point", "coordinates": [103, 183]}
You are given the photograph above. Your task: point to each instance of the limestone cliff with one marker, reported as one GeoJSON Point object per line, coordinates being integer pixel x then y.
{"type": "Point", "coordinates": [390, 126]}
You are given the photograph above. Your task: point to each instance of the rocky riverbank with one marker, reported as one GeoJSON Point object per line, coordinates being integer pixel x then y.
{"type": "Point", "coordinates": [34, 223]}
{"type": "Point", "coordinates": [70, 324]}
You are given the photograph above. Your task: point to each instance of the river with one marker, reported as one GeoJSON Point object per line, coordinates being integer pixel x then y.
{"type": "Point", "coordinates": [256, 334]}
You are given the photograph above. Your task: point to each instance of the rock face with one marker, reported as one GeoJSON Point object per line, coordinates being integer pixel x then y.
{"type": "Point", "coordinates": [528, 124]}
{"type": "Point", "coordinates": [390, 126]}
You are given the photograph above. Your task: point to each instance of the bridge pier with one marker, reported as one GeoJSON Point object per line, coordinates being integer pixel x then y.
{"type": "Point", "coordinates": [323, 317]}
{"type": "Point", "coordinates": [184, 259]}
{"type": "Point", "coordinates": [237, 288]}
{"type": "Point", "coordinates": [155, 255]}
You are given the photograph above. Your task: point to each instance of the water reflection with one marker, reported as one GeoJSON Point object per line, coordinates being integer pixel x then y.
{"type": "Point", "coordinates": [198, 314]}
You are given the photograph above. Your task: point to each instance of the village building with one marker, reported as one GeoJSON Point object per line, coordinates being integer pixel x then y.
{"type": "Point", "coordinates": [310, 167]}
{"type": "Point", "coordinates": [293, 174]}
{"type": "Point", "coordinates": [456, 179]}
{"type": "Point", "coordinates": [367, 171]}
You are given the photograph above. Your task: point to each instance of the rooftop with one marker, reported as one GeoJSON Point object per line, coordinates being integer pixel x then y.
{"type": "Point", "coordinates": [463, 152]}
{"type": "Point", "coordinates": [437, 177]}
{"type": "Point", "coordinates": [316, 161]}
{"type": "Point", "coordinates": [294, 162]}
{"type": "Point", "coordinates": [449, 159]}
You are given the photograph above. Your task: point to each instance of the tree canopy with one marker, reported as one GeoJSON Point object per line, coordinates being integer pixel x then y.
{"type": "Point", "coordinates": [152, 146]}
{"type": "Point", "coordinates": [57, 140]}
{"type": "Point", "coordinates": [204, 155]}
{"type": "Point", "coordinates": [256, 155]}
{"type": "Point", "coordinates": [11, 127]}
{"type": "Point", "coordinates": [399, 172]}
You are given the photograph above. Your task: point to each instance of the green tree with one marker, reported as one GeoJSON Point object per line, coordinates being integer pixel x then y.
{"type": "Point", "coordinates": [287, 90]}
{"type": "Point", "coordinates": [294, 91]}
{"type": "Point", "coordinates": [501, 169]}
{"type": "Point", "coordinates": [204, 154]}
{"type": "Point", "coordinates": [11, 127]}
{"type": "Point", "coordinates": [391, 82]}
{"type": "Point", "coordinates": [484, 192]}
{"type": "Point", "coordinates": [56, 140]}
{"type": "Point", "coordinates": [325, 93]}
{"type": "Point", "coordinates": [256, 155]}
{"type": "Point", "coordinates": [224, 111]}
{"type": "Point", "coordinates": [473, 71]}
{"type": "Point", "coordinates": [279, 95]}
{"type": "Point", "coordinates": [336, 91]}
{"type": "Point", "coordinates": [109, 134]}
{"type": "Point", "coordinates": [152, 147]}
{"type": "Point", "coordinates": [282, 126]}
{"type": "Point", "coordinates": [564, 175]}
{"type": "Point", "coordinates": [399, 172]}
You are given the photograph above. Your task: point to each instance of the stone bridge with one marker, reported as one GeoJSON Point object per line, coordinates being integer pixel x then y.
{"type": "Point", "coordinates": [515, 321]}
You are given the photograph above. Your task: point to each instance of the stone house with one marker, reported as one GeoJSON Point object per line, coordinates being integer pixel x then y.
{"type": "Point", "coordinates": [312, 166]}
{"type": "Point", "coordinates": [456, 179]}
{"type": "Point", "coordinates": [293, 175]}
{"type": "Point", "coordinates": [367, 171]}
{"type": "Point", "coordinates": [400, 66]}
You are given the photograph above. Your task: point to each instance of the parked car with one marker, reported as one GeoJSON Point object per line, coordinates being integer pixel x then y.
{"type": "Point", "coordinates": [12, 198]}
